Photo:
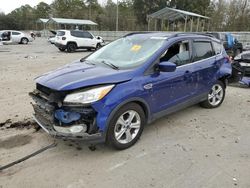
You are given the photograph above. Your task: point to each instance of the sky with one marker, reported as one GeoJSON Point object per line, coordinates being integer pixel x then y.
{"type": "Point", "coordinates": [10, 5]}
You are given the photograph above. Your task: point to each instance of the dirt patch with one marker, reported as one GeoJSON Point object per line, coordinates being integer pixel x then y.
{"type": "Point", "coordinates": [15, 141]}
{"type": "Point", "coordinates": [25, 124]}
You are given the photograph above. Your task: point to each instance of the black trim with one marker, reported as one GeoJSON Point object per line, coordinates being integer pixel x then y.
{"type": "Point", "coordinates": [180, 106]}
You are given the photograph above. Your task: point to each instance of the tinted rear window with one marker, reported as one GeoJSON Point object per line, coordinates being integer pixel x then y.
{"type": "Point", "coordinates": [76, 34]}
{"type": "Point", "coordinates": [60, 33]}
{"type": "Point", "coordinates": [202, 50]}
{"type": "Point", "coordinates": [217, 47]}
{"type": "Point", "coordinates": [15, 33]}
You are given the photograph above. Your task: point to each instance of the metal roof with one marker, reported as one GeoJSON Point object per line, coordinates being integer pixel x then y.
{"type": "Point", "coordinates": [71, 21]}
{"type": "Point", "coordinates": [42, 20]}
{"type": "Point", "coordinates": [174, 14]}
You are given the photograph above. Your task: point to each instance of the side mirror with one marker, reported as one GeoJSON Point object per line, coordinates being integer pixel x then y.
{"type": "Point", "coordinates": [98, 38]}
{"type": "Point", "coordinates": [167, 66]}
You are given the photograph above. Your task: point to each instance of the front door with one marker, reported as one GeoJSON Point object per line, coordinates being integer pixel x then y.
{"type": "Point", "coordinates": [171, 88]}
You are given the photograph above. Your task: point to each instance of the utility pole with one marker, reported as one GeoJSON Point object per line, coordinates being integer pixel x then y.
{"type": "Point", "coordinates": [117, 15]}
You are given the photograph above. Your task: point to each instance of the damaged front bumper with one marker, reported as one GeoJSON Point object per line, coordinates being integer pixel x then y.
{"type": "Point", "coordinates": [73, 123]}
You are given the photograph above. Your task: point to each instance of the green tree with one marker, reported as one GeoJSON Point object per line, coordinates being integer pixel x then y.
{"type": "Point", "coordinates": [42, 10]}
{"type": "Point", "coordinates": [144, 7]}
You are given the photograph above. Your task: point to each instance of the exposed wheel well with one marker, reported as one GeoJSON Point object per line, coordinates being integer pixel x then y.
{"type": "Point", "coordinates": [224, 80]}
{"type": "Point", "coordinates": [72, 43]}
{"type": "Point", "coordinates": [144, 107]}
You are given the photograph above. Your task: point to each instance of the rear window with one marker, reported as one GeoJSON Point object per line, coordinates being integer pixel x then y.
{"type": "Point", "coordinates": [60, 33]}
{"type": "Point", "coordinates": [217, 48]}
{"type": "Point", "coordinates": [15, 33]}
{"type": "Point", "coordinates": [202, 50]}
{"type": "Point", "coordinates": [76, 34]}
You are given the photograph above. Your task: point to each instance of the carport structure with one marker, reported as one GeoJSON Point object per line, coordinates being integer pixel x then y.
{"type": "Point", "coordinates": [42, 21]}
{"type": "Point", "coordinates": [172, 15]}
{"type": "Point", "coordinates": [64, 23]}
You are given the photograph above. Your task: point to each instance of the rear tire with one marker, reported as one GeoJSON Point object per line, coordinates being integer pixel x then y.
{"type": "Point", "coordinates": [215, 96]}
{"type": "Point", "coordinates": [24, 41]}
{"type": "Point", "coordinates": [126, 126]}
{"type": "Point", "coordinates": [71, 47]}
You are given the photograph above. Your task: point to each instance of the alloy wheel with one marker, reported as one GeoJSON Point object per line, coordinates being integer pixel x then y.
{"type": "Point", "coordinates": [127, 127]}
{"type": "Point", "coordinates": [216, 95]}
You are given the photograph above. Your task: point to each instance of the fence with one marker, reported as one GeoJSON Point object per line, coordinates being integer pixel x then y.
{"type": "Point", "coordinates": [243, 37]}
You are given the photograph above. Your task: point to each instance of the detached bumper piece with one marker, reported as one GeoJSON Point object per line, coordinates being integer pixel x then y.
{"type": "Point", "coordinates": [73, 123]}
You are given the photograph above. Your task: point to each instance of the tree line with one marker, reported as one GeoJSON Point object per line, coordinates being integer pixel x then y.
{"type": "Point", "coordinates": [226, 15]}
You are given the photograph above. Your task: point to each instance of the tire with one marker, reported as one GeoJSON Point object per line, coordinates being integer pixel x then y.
{"type": "Point", "coordinates": [215, 96]}
{"type": "Point", "coordinates": [122, 132]}
{"type": "Point", "coordinates": [24, 41]}
{"type": "Point", "coordinates": [98, 46]}
{"type": "Point", "coordinates": [62, 49]}
{"type": "Point", "coordinates": [71, 47]}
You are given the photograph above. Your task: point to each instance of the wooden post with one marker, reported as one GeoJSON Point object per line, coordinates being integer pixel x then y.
{"type": "Point", "coordinates": [185, 26]}
{"type": "Point", "coordinates": [198, 23]}
{"type": "Point", "coordinates": [155, 24]}
{"type": "Point", "coordinates": [191, 27]}
{"type": "Point", "coordinates": [149, 23]}
{"type": "Point", "coordinates": [162, 24]}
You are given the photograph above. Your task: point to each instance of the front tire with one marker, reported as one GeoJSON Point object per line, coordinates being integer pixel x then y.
{"type": "Point", "coordinates": [62, 49]}
{"type": "Point", "coordinates": [24, 41]}
{"type": "Point", "coordinates": [126, 126]}
{"type": "Point", "coordinates": [98, 46]}
{"type": "Point", "coordinates": [215, 96]}
{"type": "Point", "coordinates": [71, 47]}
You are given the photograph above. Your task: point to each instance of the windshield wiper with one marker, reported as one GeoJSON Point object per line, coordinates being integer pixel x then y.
{"type": "Point", "coordinates": [87, 62]}
{"type": "Point", "coordinates": [110, 65]}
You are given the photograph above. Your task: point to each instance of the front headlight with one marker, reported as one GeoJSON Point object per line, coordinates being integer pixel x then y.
{"type": "Point", "coordinates": [88, 96]}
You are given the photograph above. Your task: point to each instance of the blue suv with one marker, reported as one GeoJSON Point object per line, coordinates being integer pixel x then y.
{"type": "Point", "coordinates": [110, 95]}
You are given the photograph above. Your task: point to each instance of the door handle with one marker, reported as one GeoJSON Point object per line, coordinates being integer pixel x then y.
{"type": "Point", "coordinates": [187, 74]}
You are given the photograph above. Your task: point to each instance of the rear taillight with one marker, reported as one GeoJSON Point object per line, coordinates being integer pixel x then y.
{"type": "Point", "coordinates": [63, 38]}
{"type": "Point", "coordinates": [229, 59]}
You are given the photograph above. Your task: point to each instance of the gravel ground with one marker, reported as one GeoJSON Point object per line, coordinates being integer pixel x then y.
{"type": "Point", "coordinates": [194, 147]}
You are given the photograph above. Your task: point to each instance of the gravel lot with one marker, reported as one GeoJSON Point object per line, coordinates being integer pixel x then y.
{"type": "Point", "coordinates": [194, 147]}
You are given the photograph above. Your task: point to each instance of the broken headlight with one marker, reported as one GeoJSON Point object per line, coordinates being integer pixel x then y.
{"type": "Point", "coordinates": [88, 96]}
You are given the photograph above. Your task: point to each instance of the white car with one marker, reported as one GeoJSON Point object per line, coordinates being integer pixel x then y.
{"type": "Point", "coordinates": [71, 40]}
{"type": "Point", "coordinates": [11, 37]}
{"type": "Point", "coordinates": [52, 39]}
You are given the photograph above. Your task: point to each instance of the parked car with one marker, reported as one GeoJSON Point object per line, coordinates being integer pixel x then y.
{"type": "Point", "coordinates": [232, 46]}
{"type": "Point", "coordinates": [52, 38]}
{"type": "Point", "coordinates": [241, 69]}
{"type": "Point", "coordinates": [12, 37]}
{"type": "Point", "coordinates": [247, 47]}
{"type": "Point", "coordinates": [76, 39]}
{"type": "Point", "coordinates": [110, 95]}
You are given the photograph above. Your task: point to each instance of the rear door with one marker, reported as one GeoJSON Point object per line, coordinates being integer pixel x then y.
{"type": "Point", "coordinates": [77, 36]}
{"type": "Point", "coordinates": [205, 65]}
{"type": "Point", "coordinates": [16, 36]}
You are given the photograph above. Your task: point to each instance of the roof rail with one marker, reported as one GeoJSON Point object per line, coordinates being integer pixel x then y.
{"type": "Point", "coordinates": [134, 33]}
{"type": "Point", "coordinates": [193, 33]}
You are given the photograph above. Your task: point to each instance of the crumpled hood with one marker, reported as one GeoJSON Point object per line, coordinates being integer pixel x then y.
{"type": "Point", "coordinates": [80, 74]}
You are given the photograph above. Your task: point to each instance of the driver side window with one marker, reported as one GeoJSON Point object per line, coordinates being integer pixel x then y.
{"type": "Point", "coordinates": [178, 53]}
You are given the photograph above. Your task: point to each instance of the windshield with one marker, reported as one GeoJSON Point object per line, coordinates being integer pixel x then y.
{"type": "Point", "coordinates": [127, 52]}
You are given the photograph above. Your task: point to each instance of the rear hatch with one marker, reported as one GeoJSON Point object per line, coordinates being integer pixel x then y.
{"type": "Point", "coordinates": [60, 36]}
